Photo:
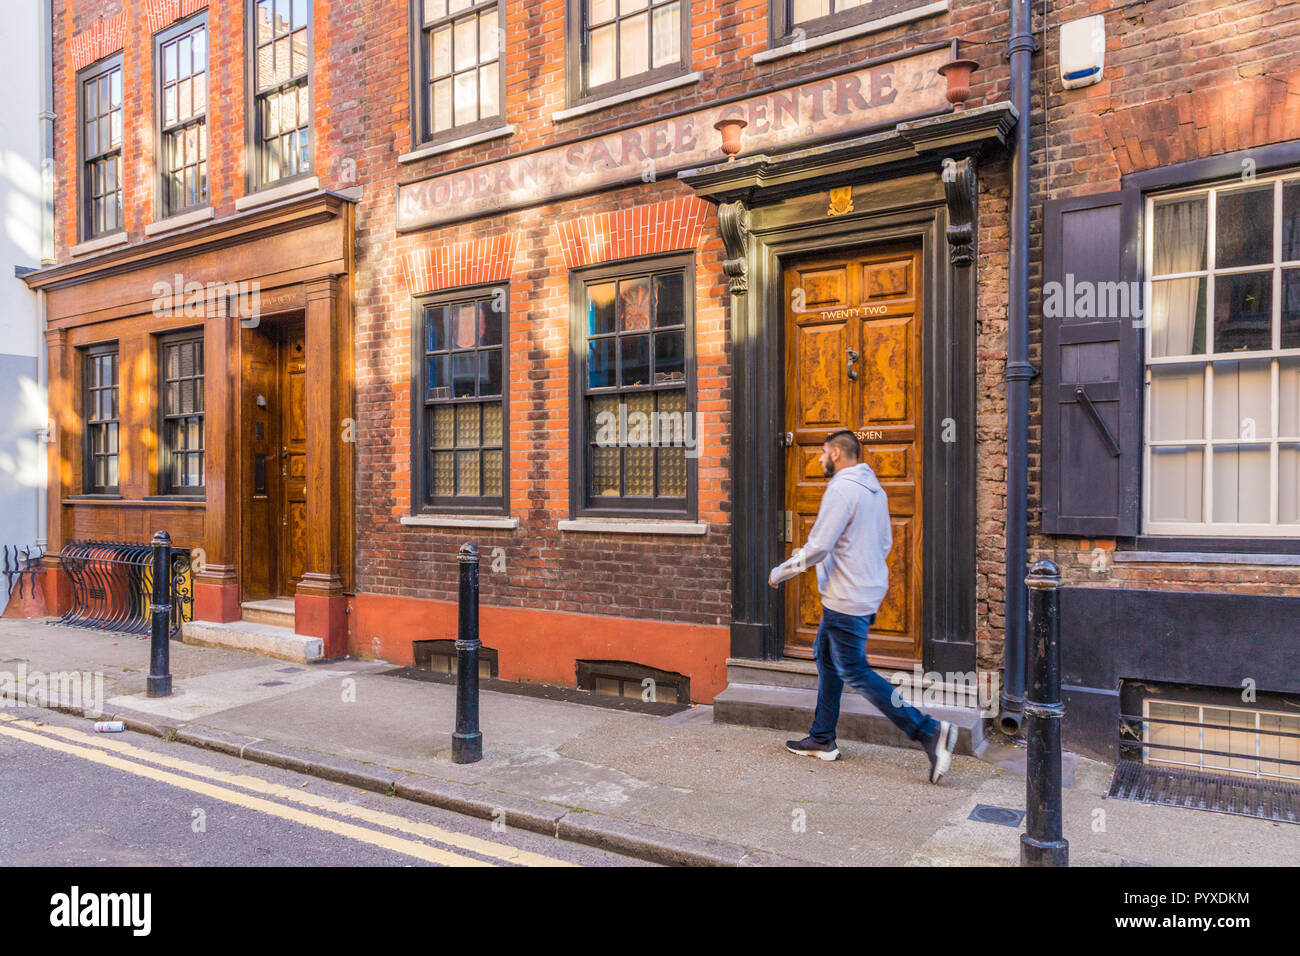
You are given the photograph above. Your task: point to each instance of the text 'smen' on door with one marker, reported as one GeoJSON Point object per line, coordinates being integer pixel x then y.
{"type": "Point", "coordinates": [853, 360]}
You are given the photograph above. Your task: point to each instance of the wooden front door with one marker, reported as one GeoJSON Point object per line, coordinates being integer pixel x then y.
{"type": "Point", "coordinates": [853, 360]}
{"type": "Point", "coordinates": [293, 456]}
{"type": "Point", "coordinates": [274, 460]}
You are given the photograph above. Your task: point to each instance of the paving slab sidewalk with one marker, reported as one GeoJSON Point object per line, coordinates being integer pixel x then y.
{"type": "Point", "coordinates": [677, 789]}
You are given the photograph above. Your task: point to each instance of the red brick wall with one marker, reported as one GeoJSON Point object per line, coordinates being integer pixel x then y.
{"type": "Point", "coordinates": [1183, 81]}
{"type": "Point", "coordinates": [682, 579]}
{"type": "Point", "coordinates": [74, 20]}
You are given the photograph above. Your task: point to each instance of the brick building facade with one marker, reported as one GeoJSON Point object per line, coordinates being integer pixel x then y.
{"type": "Point", "coordinates": [534, 221]}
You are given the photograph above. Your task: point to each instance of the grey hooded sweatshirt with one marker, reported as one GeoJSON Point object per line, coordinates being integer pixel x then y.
{"type": "Point", "coordinates": [849, 544]}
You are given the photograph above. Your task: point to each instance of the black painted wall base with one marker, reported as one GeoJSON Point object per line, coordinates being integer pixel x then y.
{"type": "Point", "coordinates": [1196, 638]}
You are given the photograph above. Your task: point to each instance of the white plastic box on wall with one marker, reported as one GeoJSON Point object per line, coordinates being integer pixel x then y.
{"type": "Point", "coordinates": [1083, 51]}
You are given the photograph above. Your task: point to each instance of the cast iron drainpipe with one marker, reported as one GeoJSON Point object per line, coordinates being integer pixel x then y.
{"type": "Point", "coordinates": [1017, 374]}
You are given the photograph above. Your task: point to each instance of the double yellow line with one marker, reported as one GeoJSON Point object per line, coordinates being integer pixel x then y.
{"type": "Point", "coordinates": [217, 785]}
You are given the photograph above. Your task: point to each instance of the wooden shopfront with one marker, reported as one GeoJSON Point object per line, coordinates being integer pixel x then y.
{"type": "Point", "coordinates": [201, 383]}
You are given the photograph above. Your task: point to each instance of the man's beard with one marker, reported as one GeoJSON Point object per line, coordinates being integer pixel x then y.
{"type": "Point", "coordinates": [829, 469]}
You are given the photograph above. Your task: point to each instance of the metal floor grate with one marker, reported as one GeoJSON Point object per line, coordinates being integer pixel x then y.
{"type": "Point", "coordinates": [1175, 787]}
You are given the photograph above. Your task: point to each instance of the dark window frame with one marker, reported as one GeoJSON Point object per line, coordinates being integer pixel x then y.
{"type": "Point", "coordinates": [581, 503]}
{"type": "Point", "coordinates": [422, 133]}
{"type": "Point", "coordinates": [165, 451]}
{"type": "Point", "coordinates": [164, 207]}
{"type": "Point", "coordinates": [253, 165]}
{"type": "Point", "coordinates": [576, 55]}
{"type": "Point", "coordinates": [85, 204]}
{"type": "Point", "coordinates": [423, 503]}
{"type": "Point", "coordinates": [781, 18]}
{"type": "Point", "coordinates": [91, 425]}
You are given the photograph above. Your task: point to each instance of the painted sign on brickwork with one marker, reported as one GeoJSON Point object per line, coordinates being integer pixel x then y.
{"type": "Point", "coordinates": [870, 96]}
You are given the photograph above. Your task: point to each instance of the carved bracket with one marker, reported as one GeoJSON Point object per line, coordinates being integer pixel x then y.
{"type": "Point", "coordinates": [733, 224]}
{"type": "Point", "coordinates": [959, 186]}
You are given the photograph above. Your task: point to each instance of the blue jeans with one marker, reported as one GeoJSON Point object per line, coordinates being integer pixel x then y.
{"type": "Point", "coordinates": [841, 654]}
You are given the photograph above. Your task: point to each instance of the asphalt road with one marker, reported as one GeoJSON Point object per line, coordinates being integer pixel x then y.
{"type": "Point", "coordinates": [74, 797]}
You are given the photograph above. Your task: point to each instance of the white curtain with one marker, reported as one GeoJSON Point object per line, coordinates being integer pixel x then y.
{"type": "Point", "coordinates": [1179, 247]}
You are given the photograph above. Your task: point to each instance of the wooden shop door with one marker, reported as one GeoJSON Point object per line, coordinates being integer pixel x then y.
{"type": "Point", "coordinates": [853, 360]}
{"type": "Point", "coordinates": [274, 460]}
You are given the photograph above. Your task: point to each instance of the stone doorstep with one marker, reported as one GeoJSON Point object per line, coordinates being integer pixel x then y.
{"type": "Point", "coordinates": [803, 674]}
{"type": "Point", "coordinates": [276, 612]}
{"type": "Point", "coordinates": [265, 639]}
{"type": "Point", "coordinates": [791, 709]}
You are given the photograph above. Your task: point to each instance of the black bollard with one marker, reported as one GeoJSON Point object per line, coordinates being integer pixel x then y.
{"type": "Point", "coordinates": [467, 741]}
{"type": "Point", "coordinates": [1042, 843]}
{"type": "Point", "coordinates": [159, 682]}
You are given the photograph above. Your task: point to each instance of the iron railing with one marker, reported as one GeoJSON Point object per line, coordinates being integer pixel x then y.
{"type": "Point", "coordinates": [112, 584]}
{"type": "Point", "coordinates": [20, 567]}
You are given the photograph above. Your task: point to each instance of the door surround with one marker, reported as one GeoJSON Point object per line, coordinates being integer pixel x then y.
{"type": "Point", "coordinates": [910, 209]}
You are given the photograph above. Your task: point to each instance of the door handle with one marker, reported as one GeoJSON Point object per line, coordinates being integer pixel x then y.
{"type": "Point", "coordinates": [853, 361]}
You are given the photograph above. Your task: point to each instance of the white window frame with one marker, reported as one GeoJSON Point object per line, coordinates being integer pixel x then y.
{"type": "Point", "coordinates": [1207, 527]}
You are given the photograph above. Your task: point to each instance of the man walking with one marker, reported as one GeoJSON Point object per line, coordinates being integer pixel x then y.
{"type": "Point", "coordinates": [849, 544]}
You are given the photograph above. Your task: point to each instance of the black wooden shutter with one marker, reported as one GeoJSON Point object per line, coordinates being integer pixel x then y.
{"type": "Point", "coordinates": [1092, 365]}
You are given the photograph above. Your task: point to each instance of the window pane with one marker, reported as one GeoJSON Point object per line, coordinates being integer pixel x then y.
{"type": "Point", "coordinates": [1243, 399]}
{"type": "Point", "coordinates": [669, 309]}
{"type": "Point", "coordinates": [463, 324]}
{"type": "Point", "coordinates": [434, 10]}
{"type": "Point", "coordinates": [809, 10]}
{"type": "Point", "coordinates": [442, 51]}
{"type": "Point", "coordinates": [492, 483]}
{"type": "Point", "coordinates": [670, 357]}
{"type": "Point", "coordinates": [600, 308]}
{"type": "Point", "coordinates": [600, 11]}
{"type": "Point", "coordinates": [489, 91]}
{"type": "Point", "coordinates": [466, 97]}
{"type": "Point", "coordinates": [489, 322]}
{"type": "Point", "coordinates": [1179, 233]}
{"type": "Point", "coordinates": [672, 472]}
{"type": "Point", "coordinates": [436, 372]}
{"type": "Point", "coordinates": [1241, 484]}
{"type": "Point", "coordinates": [464, 372]}
{"type": "Point", "coordinates": [634, 45]}
{"type": "Point", "coordinates": [634, 304]}
{"type": "Point", "coordinates": [1243, 227]}
{"type": "Point", "coordinates": [1291, 221]}
{"type": "Point", "coordinates": [465, 46]}
{"type": "Point", "coordinates": [444, 427]}
{"type": "Point", "coordinates": [1288, 476]}
{"type": "Point", "coordinates": [1291, 308]}
{"type": "Point", "coordinates": [492, 431]}
{"type": "Point", "coordinates": [605, 471]}
{"type": "Point", "coordinates": [601, 62]}
{"type": "Point", "coordinates": [635, 360]}
{"type": "Point", "coordinates": [442, 105]}
{"type": "Point", "coordinates": [601, 370]}
{"type": "Point", "coordinates": [1177, 317]}
{"type": "Point", "coordinates": [667, 35]}
{"type": "Point", "coordinates": [639, 470]}
{"type": "Point", "coordinates": [467, 473]}
{"type": "Point", "coordinates": [443, 479]}
{"type": "Point", "coordinates": [1288, 404]}
{"type": "Point", "coordinates": [489, 372]}
{"type": "Point", "coordinates": [468, 425]}
{"type": "Point", "coordinates": [1243, 312]}
{"type": "Point", "coordinates": [488, 38]}
{"type": "Point", "coordinates": [1177, 481]}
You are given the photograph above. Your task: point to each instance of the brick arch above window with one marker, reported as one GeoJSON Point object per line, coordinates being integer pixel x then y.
{"type": "Point", "coordinates": [1206, 122]}
{"type": "Point", "coordinates": [477, 262]}
{"type": "Point", "coordinates": [646, 230]}
{"type": "Point", "coordinates": [104, 37]}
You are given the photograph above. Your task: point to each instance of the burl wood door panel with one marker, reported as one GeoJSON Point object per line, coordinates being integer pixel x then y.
{"type": "Point", "coordinates": [853, 360]}
{"type": "Point", "coordinates": [293, 457]}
